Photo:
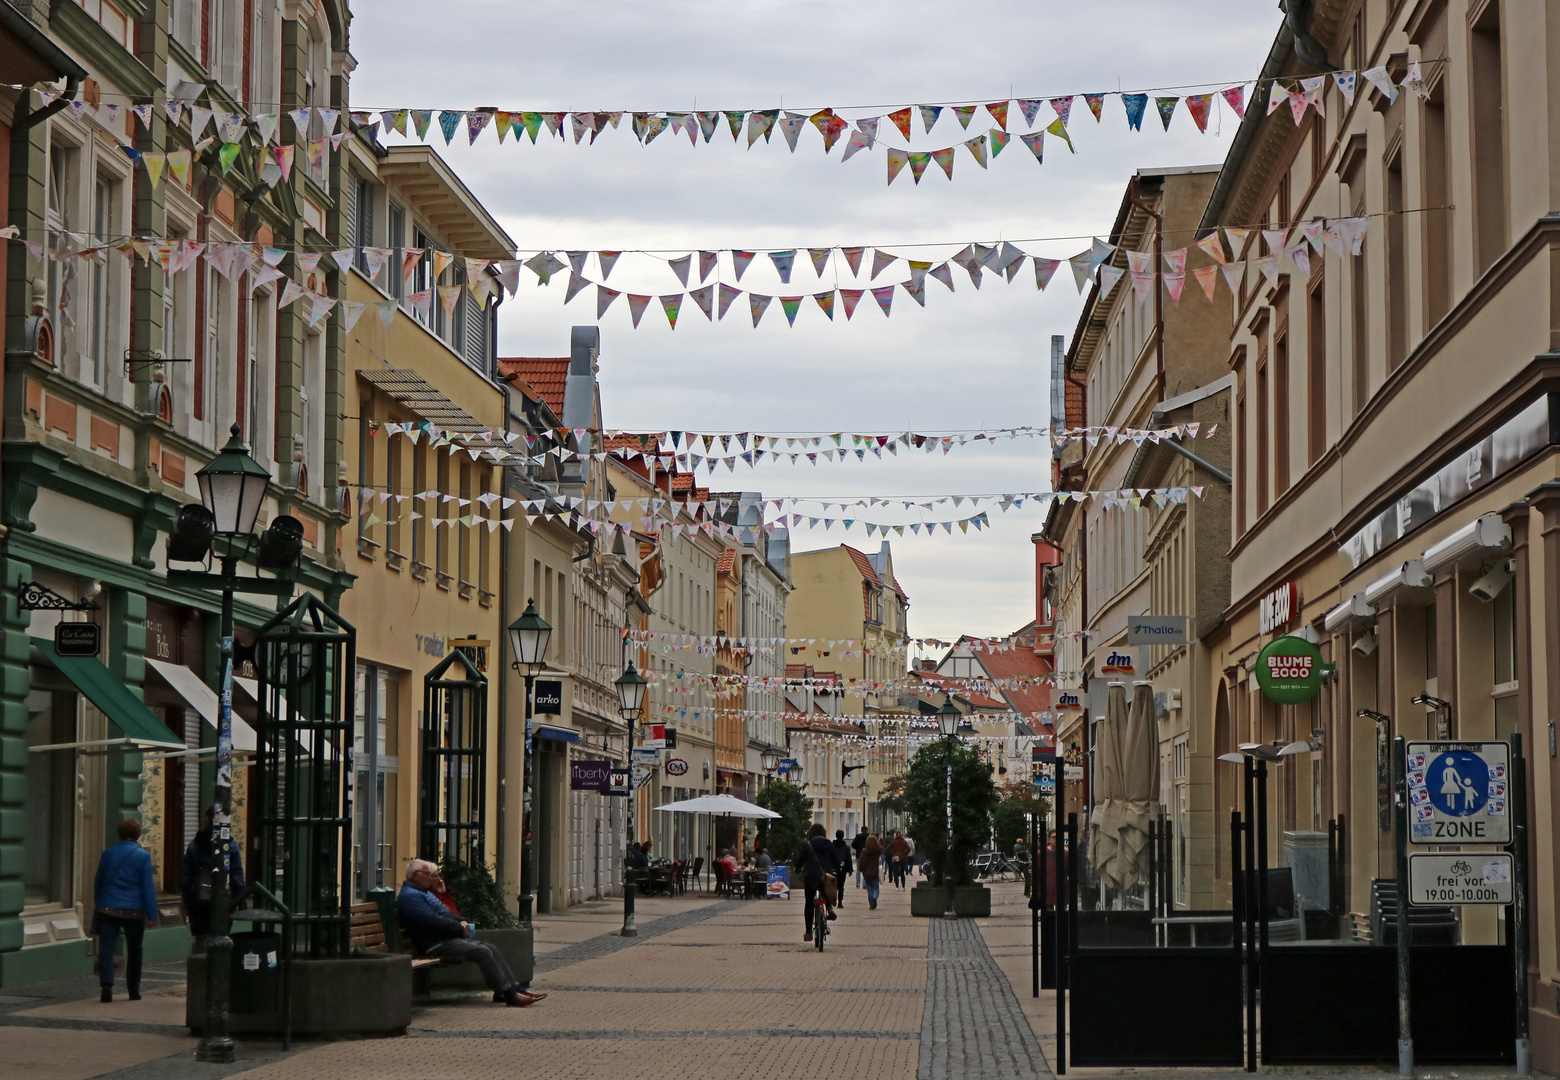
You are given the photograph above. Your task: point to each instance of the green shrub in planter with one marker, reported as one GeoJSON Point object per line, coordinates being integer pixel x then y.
{"type": "Point", "coordinates": [477, 894]}
{"type": "Point", "coordinates": [974, 799]}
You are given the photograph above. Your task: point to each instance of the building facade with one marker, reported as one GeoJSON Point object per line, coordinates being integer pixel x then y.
{"type": "Point", "coordinates": [1395, 460]}
{"type": "Point", "coordinates": [422, 395]}
{"type": "Point", "coordinates": [127, 363]}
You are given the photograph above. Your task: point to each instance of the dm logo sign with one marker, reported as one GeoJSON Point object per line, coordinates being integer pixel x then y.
{"type": "Point", "coordinates": [1289, 670]}
{"type": "Point", "coordinates": [1119, 663]}
{"type": "Point", "coordinates": [1068, 701]}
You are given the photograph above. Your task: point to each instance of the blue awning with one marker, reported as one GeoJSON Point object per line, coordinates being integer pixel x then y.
{"type": "Point", "coordinates": [556, 734]}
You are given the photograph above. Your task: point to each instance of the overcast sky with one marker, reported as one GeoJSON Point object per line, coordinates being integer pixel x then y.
{"type": "Point", "coordinates": [970, 359]}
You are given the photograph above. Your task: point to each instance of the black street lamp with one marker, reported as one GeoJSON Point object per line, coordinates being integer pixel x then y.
{"type": "Point", "coordinates": [528, 638]}
{"type": "Point", "coordinates": [233, 487]}
{"type": "Point", "coordinates": [948, 724]}
{"type": "Point", "coordinates": [631, 700]}
{"type": "Point", "coordinates": [770, 758]}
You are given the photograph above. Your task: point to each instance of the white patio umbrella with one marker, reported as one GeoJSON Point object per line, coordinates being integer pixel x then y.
{"type": "Point", "coordinates": [717, 805]}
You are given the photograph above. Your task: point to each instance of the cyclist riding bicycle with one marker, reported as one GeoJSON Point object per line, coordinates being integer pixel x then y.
{"type": "Point", "coordinates": [818, 864]}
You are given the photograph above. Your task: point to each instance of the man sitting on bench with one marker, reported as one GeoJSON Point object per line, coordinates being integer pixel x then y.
{"type": "Point", "coordinates": [436, 931]}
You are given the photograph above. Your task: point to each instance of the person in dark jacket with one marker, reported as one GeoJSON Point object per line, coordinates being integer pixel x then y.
{"type": "Point", "coordinates": [202, 862]}
{"type": "Point", "coordinates": [123, 899]}
{"type": "Point", "coordinates": [435, 930]}
{"type": "Point", "coordinates": [814, 859]}
{"type": "Point", "coordinates": [856, 845]}
{"type": "Point", "coordinates": [842, 857]}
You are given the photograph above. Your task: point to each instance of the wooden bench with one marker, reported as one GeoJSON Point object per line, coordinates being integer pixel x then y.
{"type": "Point", "coordinates": [368, 932]}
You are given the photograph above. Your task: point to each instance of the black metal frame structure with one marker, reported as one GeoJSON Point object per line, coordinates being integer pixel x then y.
{"type": "Point", "coordinates": [306, 657]}
{"type": "Point", "coordinates": [452, 815]}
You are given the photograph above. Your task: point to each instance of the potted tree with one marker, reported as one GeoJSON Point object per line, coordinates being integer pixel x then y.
{"type": "Point", "coordinates": [926, 802]}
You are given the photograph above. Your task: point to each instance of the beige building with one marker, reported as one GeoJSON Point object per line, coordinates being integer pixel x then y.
{"type": "Point", "coordinates": [421, 390]}
{"type": "Point", "coordinates": [1395, 464]}
{"type": "Point", "coordinates": [1138, 361]}
{"type": "Point", "coordinates": [848, 614]}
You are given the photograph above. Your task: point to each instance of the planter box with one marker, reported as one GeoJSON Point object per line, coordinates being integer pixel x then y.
{"type": "Point", "coordinates": [969, 901]}
{"type": "Point", "coordinates": [515, 945]}
{"type": "Point", "coordinates": [360, 995]}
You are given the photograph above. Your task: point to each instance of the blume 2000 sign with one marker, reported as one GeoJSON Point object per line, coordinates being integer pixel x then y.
{"type": "Point", "coordinates": [1289, 670]}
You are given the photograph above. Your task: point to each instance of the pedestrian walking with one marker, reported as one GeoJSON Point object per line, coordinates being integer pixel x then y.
{"type": "Point", "coordinates": [912, 861]}
{"type": "Point", "coordinates": [842, 855]}
{"type": "Point", "coordinates": [815, 860]}
{"type": "Point", "coordinates": [197, 872]}
{"type": "Point", "coordinates": [856, 845]}
{"type": "Point", "coordinates": [124, 901]}
{"type": "Point", "coordinates": [898, 852]}
{"type": "Point", "coordinates": [867, 865]}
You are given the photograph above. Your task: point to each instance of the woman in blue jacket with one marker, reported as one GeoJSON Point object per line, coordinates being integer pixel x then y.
{"type": "Point", "coordinates": [125, 900]}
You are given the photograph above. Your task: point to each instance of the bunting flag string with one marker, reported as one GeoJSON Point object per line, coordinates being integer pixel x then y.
{"type": "Point", "coordinates": [322, 128]}
{"type": "Point", "coordinates": [909, 725]}
{"type": "Point", "coordinates": [688, 642]}
{"type": "Point", "coordinates": [1289, 251]}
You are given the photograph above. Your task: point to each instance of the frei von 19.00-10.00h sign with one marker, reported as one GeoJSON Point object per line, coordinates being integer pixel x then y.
{"type": "Point", "coordinates": [1469, 877]}
{"type": "Point", "coordinates": [1458, 793]}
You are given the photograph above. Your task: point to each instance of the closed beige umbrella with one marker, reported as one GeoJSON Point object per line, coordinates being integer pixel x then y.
{"type": "Point", "coordinates": [1105, 819]}
{"type": "Point", "coordinates": [1139, 784]}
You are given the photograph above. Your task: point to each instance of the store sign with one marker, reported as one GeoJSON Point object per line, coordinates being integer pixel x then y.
{"type": "Point", "coordinates": [1458, 793]}
{"type": "Point", "coordinates": [78, 639]}
{"type": "Point", "coordinates": [1278, 608]}
{"type": "Point", "coordinates": [1068, 701]}
{"type": "Point", "coordinates": [590, 775]}
{"type": "Point", "coordinates": [671, 738]}
{"type": "Point", "coordinates": [1119, 662]}
{"type": "Point", "coordinates": [654, 736]}
{"type": "Point", "coordinates": [617, 782]}
{"type": "Point", "coordinates": [1289, 670]}
{"type": "Point", "coordinates": [1468, 878]}
{"type": "Point", "coordinates": [549, 697]}
{"type": "Point", "coordinates": [676, 766]}
{"type": "Point", "coordinates": [1157, 630]}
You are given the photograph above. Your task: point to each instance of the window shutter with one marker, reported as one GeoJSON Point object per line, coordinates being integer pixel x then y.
{"type": "Point", "coordinates": [476, 333]}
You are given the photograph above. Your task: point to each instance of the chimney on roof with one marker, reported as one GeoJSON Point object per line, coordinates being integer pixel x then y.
{"type": "Point", "coordinates": [584, 348]}
{"type": "Point", "coordinates": [926, 664]}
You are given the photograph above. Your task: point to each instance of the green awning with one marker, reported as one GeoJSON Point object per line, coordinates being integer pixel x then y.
{"type": "Point", "coordinates": [123, 709]}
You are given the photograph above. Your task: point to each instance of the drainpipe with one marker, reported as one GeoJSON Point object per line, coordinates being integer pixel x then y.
{"type": "Point", "coordinates": [1159, 296]}
{"type": "Point", "coordinates": [39, 42]}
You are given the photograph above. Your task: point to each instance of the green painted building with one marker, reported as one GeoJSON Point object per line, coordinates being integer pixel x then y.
{"type": "Point", "coordinates": [131, 346]}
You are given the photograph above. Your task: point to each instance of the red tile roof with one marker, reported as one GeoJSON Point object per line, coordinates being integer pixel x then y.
{"type": "Point", "coordinates": [726, 562]}
{"type": "Point", "coordinates": [1016, 662]}
{"type": "Point", "coordinates": [546, 374]}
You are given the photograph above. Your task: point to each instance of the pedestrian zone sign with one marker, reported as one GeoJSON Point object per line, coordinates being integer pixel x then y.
{"type": "Point", "coordinates": [1466, 878]}
{"type": "Point", "coordinates": [1458, 793]}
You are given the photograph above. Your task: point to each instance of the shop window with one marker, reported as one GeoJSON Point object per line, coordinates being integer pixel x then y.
{"type": "Point", "coordinates": [49, 840]}
{"type": "Point", "coordinates": [374, 750]}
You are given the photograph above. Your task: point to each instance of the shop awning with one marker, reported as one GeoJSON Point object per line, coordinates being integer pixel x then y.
{"type": "Point", "coordinates": [123, 709]}
{"type": "Point", "coordinates": [557, 734]}
{"type": "Point", "coordinates": [203, 699]}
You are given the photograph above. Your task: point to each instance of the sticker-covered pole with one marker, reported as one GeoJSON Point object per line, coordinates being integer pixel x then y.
{"type": "Point", "coordinates": [1405, 1011]}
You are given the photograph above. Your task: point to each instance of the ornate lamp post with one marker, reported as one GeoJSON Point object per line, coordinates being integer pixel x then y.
{"type": "Point", "coordinates": [528, 638]}
{"type": "Point", "coordinates": [948, 725]}
{"type": "Point", "coordinates": [631, 699]}
{"type": "Point", "coordinates": [771, 759]}
{"type": "Point", "coordinates": [233, 487]}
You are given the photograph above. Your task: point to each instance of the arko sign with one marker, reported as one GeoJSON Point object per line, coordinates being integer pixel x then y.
{"type": "Point", "coordinates": [1290, 670]}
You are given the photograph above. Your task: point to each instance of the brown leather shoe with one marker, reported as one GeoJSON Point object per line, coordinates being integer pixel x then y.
{"type": "Point", "coordinates": [520, 1001]}
{"type": "Point", "coordinates": [535, 995]}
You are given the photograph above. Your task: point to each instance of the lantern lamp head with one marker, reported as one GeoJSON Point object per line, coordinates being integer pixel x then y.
{"type": "Point", "coordinates": [233, 487]}
{"type": "Point", "coordinates": [528, 637]}
{"type": "Point", "coordinates": [631, 692]}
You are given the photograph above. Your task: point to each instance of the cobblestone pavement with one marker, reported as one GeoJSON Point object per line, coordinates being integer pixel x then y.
{"type": "Point", "coordinates": [709, 987]}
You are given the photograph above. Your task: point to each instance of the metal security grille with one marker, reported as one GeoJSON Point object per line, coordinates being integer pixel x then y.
{"type": "Point", "coordinates": [453, 812]}
{"type": "Point", "coordinates": [306, 658]}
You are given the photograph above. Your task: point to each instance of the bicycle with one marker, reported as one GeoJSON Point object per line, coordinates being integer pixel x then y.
{"type": "Point", "coordinates": [820, 920]}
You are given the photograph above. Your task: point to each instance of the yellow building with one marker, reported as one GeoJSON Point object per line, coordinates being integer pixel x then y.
{"type": "Point", "coordinates": [420, 405]}
{"type": "Point", "coordinates": [848, 614]}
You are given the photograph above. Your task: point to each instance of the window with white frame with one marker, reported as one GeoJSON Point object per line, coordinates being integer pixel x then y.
{"type": "Point", "coordinates": [61, 217]}
{"type": "Point", "coordinates": [260, 383]}
{"type": "Point", "coordinates": [311, 398]}
{"type": "Point", "coordinates": [265, 75]}
{"type": "Point", "coordinates": [99, 333]}
{"type": "Point", "coordinates": [111, 17]}
{"type": "Point", "coordinates": [184, 24]}
{"type": "Point", "coordinates": [225, 48]}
